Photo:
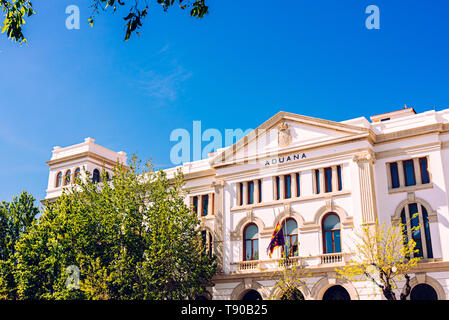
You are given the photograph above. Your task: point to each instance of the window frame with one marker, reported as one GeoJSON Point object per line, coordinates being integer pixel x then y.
{"type": "Point", "coordinates": [332, 231]}
{"type": "Point", "coordinates": [288, 237]}
{"type": "Point", "coordinates": [58, 180]}
{"type": "Point", "coordinates": [96, 176]}
{"type": "Point", "coordinates": [252, 241]}
{"type": "Point", "coordinates": [425, 237]}
{"type": "Point", "coordinates": [404, 167]}
{"type": "Point", "coordinates": [68, 177]}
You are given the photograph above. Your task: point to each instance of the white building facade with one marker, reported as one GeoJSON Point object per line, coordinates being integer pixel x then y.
{"type": "Point", "coordinates": [322, 180]}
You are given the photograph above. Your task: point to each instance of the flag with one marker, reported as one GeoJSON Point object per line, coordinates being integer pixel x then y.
{"type": "Point", "coordinates": [277, 239]}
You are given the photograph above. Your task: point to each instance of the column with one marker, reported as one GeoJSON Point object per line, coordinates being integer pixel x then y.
{"type": "Point", "coordinates": [282, 186]}
{"type": "Point", "coordinates": [275, 189]}
{"type": "Point", "coordinates": [200, 206]}
{"type": "Point", "coordinates": [401, 174]}
{"type": "Point", "coordinates": [322, 183]}
{"type": "Point", "coordinates": [334, 179]}
{"type": "Point", "coordinates": [294, 185]}
{"type": "Point", "coordinates": [366, 183]}
{"type": "Point", "coordinates": [245, 193]}
{"type": "Point", "coordinates": [210, 204]}
{"type": "Point", "coordinates": [218, 235]}
{"type": "Point", "coordinates": [256, 191]}
{"type": "Point", "coordinates": [417, 170]}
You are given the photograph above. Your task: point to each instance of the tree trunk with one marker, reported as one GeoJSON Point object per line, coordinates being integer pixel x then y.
{"type": "Point", "coordinates": [388, 293]}
{"type": "Point", "coordinates": [405, 293]}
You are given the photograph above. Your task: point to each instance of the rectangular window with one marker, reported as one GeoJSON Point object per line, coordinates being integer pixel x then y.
{"type": "Point", "coordinates": [278, 189]}
{"type": "Point", "coordinates": [394, 175]}
{"type": "Point", "coordinates": [424, 170]}
{"type": "Point", "coordinates": [241, 194]}
{"type": "Point", "coordinates": [260, 190]}
{"type": "Point", "coordinates": [287, 186]}
{"type": "Point", "coordinates": [340, 184]}
{"type": "Point", "coordinates": [298, 190]}
{"type": "Point", "coordinates": [409, 172]}
{"type": "Point", "coordinates": [195, 204]}
{"type": "Point", "coordinates": [328, 179]}
{"type": "Point", "coordinates": [317, 181]}
{"type": "Point", "coordinates": [205, 204]}
{"type": "Point", "coordinates": [250, 192]}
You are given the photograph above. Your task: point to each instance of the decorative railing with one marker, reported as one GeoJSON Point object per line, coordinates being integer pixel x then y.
{"type": "Point", "coordinates": [319, 261]}
{"type": "Point", "coordinates": [332, 258]}
{"type": "Point", "coordinates": [249, 265]}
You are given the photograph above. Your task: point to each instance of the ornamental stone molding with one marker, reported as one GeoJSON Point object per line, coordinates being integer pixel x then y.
{"type": "Point", "coordinates": [247, 285]}
{"type": "Point", "coordinates": [276, 292]}
{"type": "Point", "coordinates": [328, 281]}
{"type": "Point", "coordinates": [345, 219]}
{"type": "Point", "coordinates": [237, 234]}
{"type": "Point", "coordinates": [423, 278]}
{"type": "Point", "coordinates": [366, 156]}
{"type": "Point", "coordinates": [284, 135]}
{"type": "Point", "coordinates": [431, 214]}
{"type": "Point", "coordinates": [288, 213]}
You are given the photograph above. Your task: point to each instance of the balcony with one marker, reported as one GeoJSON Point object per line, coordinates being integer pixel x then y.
{"type": "Point", "coordinates": [319, 261]}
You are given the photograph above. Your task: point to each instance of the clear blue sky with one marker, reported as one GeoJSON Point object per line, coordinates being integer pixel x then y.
{"type": "Point", "coordinates": [237, 67]}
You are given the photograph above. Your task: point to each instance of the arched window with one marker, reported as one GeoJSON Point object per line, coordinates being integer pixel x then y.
{"type": "Point", "coordinates": [415, 218]}
{"type": "Point", "coordinates": [58, 179]}
{"type": "Point", "coordinates": [331, 233]}
{"type": "Point", "coordinates": [77, 173]}
{"type": "Point", "coordinates": [207, 241]}
{"type": "Point", "coordinates": [107, 176]}
{"type": "Point", "coordinates": [67, 177]}
{"type": "Point", "coordinates": [96, 176]}
{"type": "Point", "coordinates": [291, 237]}
{"type": "Point", "coordinates": [251, 244]}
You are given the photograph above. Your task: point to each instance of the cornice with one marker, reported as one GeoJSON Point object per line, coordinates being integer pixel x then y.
{"type": "Point", "coordinates": [290, 201]}
{"type": "Point", "coordinates": [297, 149]}
{"type": "Point", "coordinates": [407, 151]}
{"type": "Point", "coordinates": [86, 154]}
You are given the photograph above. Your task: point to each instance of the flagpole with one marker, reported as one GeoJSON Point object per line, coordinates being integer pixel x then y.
{"type": "Point", "coordinates": [285, 243]}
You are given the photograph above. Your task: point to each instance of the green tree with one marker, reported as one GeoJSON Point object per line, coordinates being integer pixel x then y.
{"type": "Point", "coordinates": [131, 237]}
{"type": "Point", "coordinates": [16, 217]}
{"type": "Point", "coordinates": [16, 11]}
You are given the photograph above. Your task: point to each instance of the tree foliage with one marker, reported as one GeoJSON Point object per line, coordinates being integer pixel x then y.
{"type": "Point", "coordinates": [384, 255]}
{"type": "Point", "coordinates": [131, 237]}
{"type": "Point", "coordinates": [16, 11]}
{"type": "Point", "coordinates": [16, 217]}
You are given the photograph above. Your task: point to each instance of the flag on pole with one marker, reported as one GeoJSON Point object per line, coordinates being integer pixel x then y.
{"type": "Point", "coordinates": [277, 239]}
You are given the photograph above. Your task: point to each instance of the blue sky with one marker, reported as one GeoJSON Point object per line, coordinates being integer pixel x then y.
{"type": "Point", "coordinates": [235, 68]}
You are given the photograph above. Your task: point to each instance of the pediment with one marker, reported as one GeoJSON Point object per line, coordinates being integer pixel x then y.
{"type": "Point", "coordinates": [287, 132]}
